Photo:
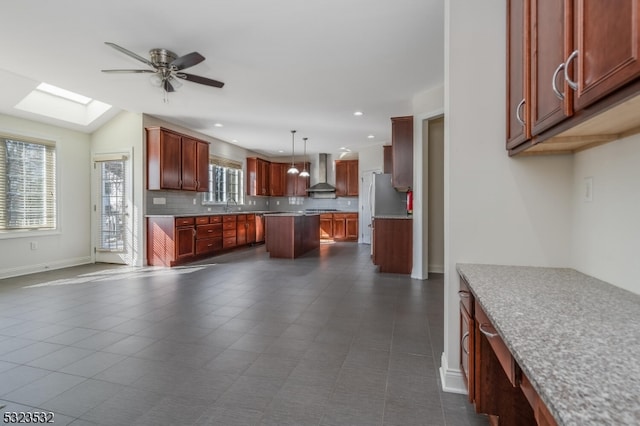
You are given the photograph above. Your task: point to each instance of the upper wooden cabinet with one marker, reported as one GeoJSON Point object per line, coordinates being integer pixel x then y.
{"type": "Point", "coordinates": [296, 185]}
{"type": "Point", "coordinates": [387, 156]}
{"type": "Point", "coordinates": [346, 178]}
{"type": "Point", "coordinates": [518, 104]}
{"type": "Point", "coordinates": [402, 148]}
{"type": "Point", "coordinates": [568, 63]}
{"type": "Point", "coordinates": [258, 174]}
{"type": "Point", "coordinates": [277, 176]}
{"type": "Point", "coordinates": [176, 161]}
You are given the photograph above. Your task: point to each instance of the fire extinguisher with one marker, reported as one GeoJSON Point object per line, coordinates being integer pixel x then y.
{"type": "Point", "coordinates": [409, 201]}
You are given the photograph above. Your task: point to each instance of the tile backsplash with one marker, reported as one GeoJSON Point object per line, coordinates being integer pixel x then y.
{"type": "Point", "coordinates": [181, 202]}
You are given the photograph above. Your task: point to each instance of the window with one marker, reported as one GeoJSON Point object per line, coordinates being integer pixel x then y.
{"type": "Point", "coordinates": [225, 182]}
{"type": "Point", "coordinates": [27, 184]}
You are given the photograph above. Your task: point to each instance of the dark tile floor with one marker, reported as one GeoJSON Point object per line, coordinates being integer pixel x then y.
{"type": "Point", "coordinates": [239, 339]}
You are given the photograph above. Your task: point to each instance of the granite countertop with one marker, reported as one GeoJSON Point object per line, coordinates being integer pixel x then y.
{"type": "Point", "coordinates": [393, 216]}
{"type": "Point", "coordinates": [209, 213]}
{"type": "Point", "coordinates": [575, 337]}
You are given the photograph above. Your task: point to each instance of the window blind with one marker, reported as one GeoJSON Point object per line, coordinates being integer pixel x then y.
{"type": "Point", "coordinates": [27, 184]}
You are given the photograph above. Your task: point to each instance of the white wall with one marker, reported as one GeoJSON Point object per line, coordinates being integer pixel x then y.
{"type": "Point", "coordinates": [606, 231]}
{"type": "Point", "coordinates": [435, 217]}
{"type": "Point", "coordinates": [124, 134]}
{"type": "Point", "coordinates": [427, 104]}
{"type": "Point", "coordinates": [71, 244]}
{"type": "Point", "coordinates": [498, 209]}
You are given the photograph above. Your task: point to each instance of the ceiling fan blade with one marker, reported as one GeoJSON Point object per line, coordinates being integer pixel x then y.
{"type": "Point", "coordinates": [187, 61]}
{"type": "Point", "coordinates": [135, 71]}
{"type": "Point", "coordinates": [130, 53]}
{"type": "Point", "coordinates": [201, 80]}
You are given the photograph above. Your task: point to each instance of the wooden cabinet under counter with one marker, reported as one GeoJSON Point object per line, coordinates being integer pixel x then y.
{"type": "Point", "coordinates": [393, 245]}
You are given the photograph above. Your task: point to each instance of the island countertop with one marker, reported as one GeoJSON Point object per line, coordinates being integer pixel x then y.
{"type": "Point", "coordinates": [576, 338]}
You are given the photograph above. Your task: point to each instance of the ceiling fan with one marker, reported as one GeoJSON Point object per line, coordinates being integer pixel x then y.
{"type": "Point", "coordinates": [167, 68]}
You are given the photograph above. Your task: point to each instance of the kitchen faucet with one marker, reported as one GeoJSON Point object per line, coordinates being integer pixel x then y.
{"type": "Point", "coordinates": [226, 208]}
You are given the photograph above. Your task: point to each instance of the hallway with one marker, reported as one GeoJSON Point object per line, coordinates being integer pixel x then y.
{"type": "Point", "coordinates": [238, 339]}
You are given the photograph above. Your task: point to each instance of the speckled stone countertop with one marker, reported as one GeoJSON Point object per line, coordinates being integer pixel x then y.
{"type": "Point", "coordinates": [393, 216]}
{"type": "Point", "coordinates": [576, 338]}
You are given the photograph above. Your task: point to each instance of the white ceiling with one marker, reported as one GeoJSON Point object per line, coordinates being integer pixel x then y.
{"type": "Point", "coordinates": [286, 64]}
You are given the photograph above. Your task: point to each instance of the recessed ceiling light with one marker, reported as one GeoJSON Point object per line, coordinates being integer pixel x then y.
{"type": "Point", "coordinates": [280, 150]}
{"type": "Point", "coordinates": [370, 136]}
{"type": "Point", "coordinates": [217, 125]}
{"type": "Point", "coordinates": [234, 140]}
{"type": "Point", "coordinates": [358, 113]}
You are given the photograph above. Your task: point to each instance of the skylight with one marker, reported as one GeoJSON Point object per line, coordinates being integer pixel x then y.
{"type": "Point", "coordinates": [54, 102]}
{"type": "Point", "coordinates": [66, 94]}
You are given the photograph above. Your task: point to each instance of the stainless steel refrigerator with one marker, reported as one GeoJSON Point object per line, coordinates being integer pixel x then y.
{"type": "Point", "coordinates": [384, 200]}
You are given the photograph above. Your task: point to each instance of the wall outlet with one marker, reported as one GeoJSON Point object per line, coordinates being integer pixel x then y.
{"type": "Point", "coordinates": [34, 245]}
{"type": "Point", "coordinates": [587, 190]}
{"type": "Point", "coordinates": [277, 203]}
{"type": "Point", "coordinates": [159, 200]}
{"type": "Point", "coordinates": [194, 201]}
{"type": "Point", "coordinates": [208, 209]}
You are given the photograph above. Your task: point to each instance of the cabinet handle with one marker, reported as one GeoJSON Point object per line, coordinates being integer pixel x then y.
{"type": "Point", "coordinates": [462, 346]}
{"type": "Point", "coordinates": [554, 81]}
{"type": "Point", "coordinates": [463, 294]}
{"type": "Point", "coordinates": [487, 333]}
{"type": "Point", "coordinates": [571, 83]}
{"type": "Point", "coordinates": [194, 232]}
{"type": "Point", "coordinates": [518, 108]}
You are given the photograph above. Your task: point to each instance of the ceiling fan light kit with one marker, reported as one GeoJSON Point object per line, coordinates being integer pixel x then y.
{"type": "Point", "coordinates": [166, 68]}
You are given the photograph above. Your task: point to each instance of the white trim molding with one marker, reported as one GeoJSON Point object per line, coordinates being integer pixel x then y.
{"type": "Point", "coordinates": [451, 378]}
{"type": "Point", "coordinates": [43, 267]}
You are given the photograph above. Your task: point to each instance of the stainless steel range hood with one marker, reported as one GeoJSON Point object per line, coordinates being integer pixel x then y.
{"type": "Point", "coordinates": [322, 189]}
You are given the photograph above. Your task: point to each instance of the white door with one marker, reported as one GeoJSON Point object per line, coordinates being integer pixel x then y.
{"type": "Point", "coordinates": [112, 200]}
{"type": "Point", "coordinates": [366, 180]}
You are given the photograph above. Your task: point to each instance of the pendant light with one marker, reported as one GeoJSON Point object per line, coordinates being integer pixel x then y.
{"type": "Point", "coordinates": [293, 169]}
{"type": "Point", "coordinates": [304, 172]}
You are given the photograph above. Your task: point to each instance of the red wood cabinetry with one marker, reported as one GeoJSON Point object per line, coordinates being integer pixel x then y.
{"type": "Point", "coordinates": [393, 245]}
{"type": "Point", "coordinates": [568, 62]}
{"type": "Point", "coordinates": [296, 185]}
{"type": "Point", "coordinates": [258, 174]}
{"type": "Point", "coordinates": [402, 147]}
{"type": "Point", "coordinates": [176, 161]}
{"type": "Point", "coordinates": [347, 178]}
{"type": "Point", "coordinates": [277, 176]}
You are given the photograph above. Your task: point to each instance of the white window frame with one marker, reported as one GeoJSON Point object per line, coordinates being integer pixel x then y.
{"type": "Point", "coordinates": [209, 197]}
{"type": "Point", "coordinates": [29, 232]}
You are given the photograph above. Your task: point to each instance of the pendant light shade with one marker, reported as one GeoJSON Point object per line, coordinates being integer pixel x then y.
{"type": "Point", "coordinates": [304, 172]}
{"type": "Point", "coordinates": [293, 169]}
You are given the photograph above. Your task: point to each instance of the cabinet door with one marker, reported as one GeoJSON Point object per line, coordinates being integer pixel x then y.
{"type": "Point", "coordinates": [259, 228]}
{"type": "Point", "coordinates": [263, 177]}
{"type": "Point", "coordinates": [252, 176]}
{"type": "Point", "coordinates": [339, 227]}
{"type": "Point", "coordinates": [185, 242]}
{"type": "Point", "coordinates": [551, 39]}
{"type": "Point", "coordinates": [518, 130]}
{"type": "Point", "coordinates": [607, 42]}
{"type": "Point", "coordinates": [251, 228]}
{"type": "Point", "coordinates": [326, 226]}
{"type": "Point", "coordinates": [351, 227]}
{"type": "Point", "coordinates": [241, 230]}
{"type": "Point", "coordinates": [277, 173]}
{"type": "Point", "coordinates": [402, 147]}
{"type": "Point", "coordinates": [352, 178]}
{"type": "Point", "coordinates": [164, 160]}
{"type": "Point", "coordinates": [202, 166]}
{"type": "Point", "coordinates": [302, 183]}
{"type": "Point", "coordinates": [189, 168]}
{"type": "Point", "coordinates": [342, 180]}
{"type": "Point", "coordinates": [466, 350]}
{"type": "Point", "coordinates": [387, 156]}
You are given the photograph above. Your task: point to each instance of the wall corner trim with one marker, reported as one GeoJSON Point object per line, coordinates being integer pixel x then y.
{"type": "Point", "coordinates": [451, 378]}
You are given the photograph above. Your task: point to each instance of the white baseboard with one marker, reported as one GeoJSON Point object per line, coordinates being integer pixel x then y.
{"type": "Point", "coordinates": [451, 378]}
{"type": "Point", "coordinates": [436, 269]}
{"type": "Point", "coordinates": [42, 267]}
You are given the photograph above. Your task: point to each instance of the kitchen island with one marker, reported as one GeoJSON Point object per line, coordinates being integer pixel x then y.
{"type": "Point", "coordinates": [290, 235]}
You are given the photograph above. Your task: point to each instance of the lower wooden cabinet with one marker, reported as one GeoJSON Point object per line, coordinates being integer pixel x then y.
{"type": "Point", "coordinates": [176, 240]}
{"type": "Point", "coordinates": [496, 385]}
{"type": "Point", "coordinates": [339, 226]}
{"type": "Point", "coordinates": [393, 245]}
